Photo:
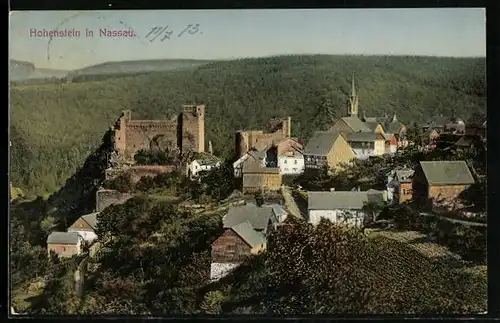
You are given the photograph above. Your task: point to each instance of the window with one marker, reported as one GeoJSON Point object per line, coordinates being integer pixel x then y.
{"type": "Point", "coordinates": [63, 249]}
{"type": "Point", "coordinates": [296, 162]}
{"type": "Point", "coordinates": [284, 161]}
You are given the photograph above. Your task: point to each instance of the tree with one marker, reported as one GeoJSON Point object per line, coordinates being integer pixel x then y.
{"type": "Point", "coordinates": [373, 209]}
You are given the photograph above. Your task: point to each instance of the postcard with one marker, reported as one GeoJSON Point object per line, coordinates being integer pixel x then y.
{"type": "Point", "coordinates": [259, 162]}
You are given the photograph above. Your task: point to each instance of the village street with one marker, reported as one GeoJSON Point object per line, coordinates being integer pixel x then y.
{"type": "Point", "coordinates": [290, 204]}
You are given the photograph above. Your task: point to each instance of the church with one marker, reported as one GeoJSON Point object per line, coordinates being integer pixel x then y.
{"type": "Point", "coordinates": [387, 126]}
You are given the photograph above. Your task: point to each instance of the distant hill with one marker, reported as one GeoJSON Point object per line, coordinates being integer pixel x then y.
{"type": "Point", "coordinates": [140, 66]}
{"type": "Point", "coordinates": [28, 73]}
{"type": "Point", "coordinates": [55, 126]}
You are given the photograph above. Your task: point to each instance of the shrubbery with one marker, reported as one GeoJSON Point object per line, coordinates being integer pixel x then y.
{"type": "Point", "coordinates": [467, 241]}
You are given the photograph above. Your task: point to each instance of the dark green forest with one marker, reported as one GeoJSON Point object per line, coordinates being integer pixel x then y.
{"type": "Point", "coordinates": [54, 127]}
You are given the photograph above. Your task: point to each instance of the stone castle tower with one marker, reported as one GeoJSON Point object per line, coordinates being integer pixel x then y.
{"type": "Point", "coordinates": [352, 104]}
{"type": "Point", "coordinates": [192, 128]}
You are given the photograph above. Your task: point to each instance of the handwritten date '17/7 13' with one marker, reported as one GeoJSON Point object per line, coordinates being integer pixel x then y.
{"type": "Point", "coordinates": [166, 33]}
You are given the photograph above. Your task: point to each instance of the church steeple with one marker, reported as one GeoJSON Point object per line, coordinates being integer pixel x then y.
{"type": "Point", "coordinates": [394, 118]}
{"type": "Point", "coordinates": [352, 108]}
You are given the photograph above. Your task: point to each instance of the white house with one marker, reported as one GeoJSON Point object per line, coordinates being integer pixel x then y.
{"type": "Point", "coordinates": [85, 226]}
{"type": "Point", "coordinates": [251, 155]}
{"type": "Point", "coordinates": [205, 163]}
{"type": "Point", "coordinates": [341, 206]}
{"type": "Point", "coordinates": [291, 162]}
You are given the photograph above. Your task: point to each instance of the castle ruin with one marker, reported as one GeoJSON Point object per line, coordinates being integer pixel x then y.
{"type": "Point", "coordinates": [184, 133]}
{"type": "Point", "coordinates": [278, 130]}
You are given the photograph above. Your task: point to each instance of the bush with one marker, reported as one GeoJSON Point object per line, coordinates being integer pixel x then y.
{"type": "Point", "coordinates": [122, 183]}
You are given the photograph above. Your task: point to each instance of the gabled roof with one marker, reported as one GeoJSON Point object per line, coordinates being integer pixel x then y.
{"type": "Point", "coordinates": [321, 143]}
{"type": "Point", "coordinates": [372, 125]}
{"type": "Point", "coordinates": [257, 154]}
{"type": "Point", "coordinates": [91, 219]}
{"type": "Point", "coordinates": [248, 234]}
{"type": "Point", "coordinates": [206, 159]}
{"type": "Point", "coordinates": [355, 124]}
{"type": "Point", "coordinates": [335, 200]}
{"type": "Point", "coordinates": [63, 238]}
{"type": "Point", "coordinates": [447, 172]}
{"type": "Point", "coordinates": [404, 175]}
{"type": "Point", "coordinates": [257, 216]}
{"type": "Point", "coordinates": [392, 127]}
{"type": "Point", "coordinates": [362, 136]}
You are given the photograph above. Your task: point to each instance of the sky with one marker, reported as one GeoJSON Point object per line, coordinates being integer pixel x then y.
{"type": "Point", "coordinates": [229, 34]}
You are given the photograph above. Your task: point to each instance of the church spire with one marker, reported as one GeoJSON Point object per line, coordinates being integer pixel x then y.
{"type": "Point", "coordinates": [394, 119]}
{"type": "Point", "coordinates": [352, 109]}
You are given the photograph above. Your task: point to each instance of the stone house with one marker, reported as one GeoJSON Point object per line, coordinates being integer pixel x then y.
{"type": "Point", "coordinates": [327, 150]}
{"type": "Point", "coordinates": [251, 156]}
{"type": "Point", "coordinates": [399, 185]}
{"type": "Point", "coordinates": [366, 144]}
{"type": "Point", "coordinates": [203, 163]}
{"type": "Point", "coordinates": [245, 230]}
{"type": "Point", "coordinates": [345, 207]}
{"type": "Point", "coordinates": [64, 244]}
{"type": "Point", "coordinates": [85, 226]}
{"type": "Point", "coordinates": [440, 182]}
{"type": "Point", "coordinates": [287, 155]}
{"type": "Point", "coordinates": [257, 178]}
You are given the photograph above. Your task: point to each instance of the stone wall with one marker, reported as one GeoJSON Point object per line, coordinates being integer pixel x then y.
{"type": "Point", "coordinates": [105, 198]}
{"type": "Point", "coordinates": [139, 171]}
{"type": "Point", "coordinates": [187, 131]}
{"type": "Point", "coordinates": [259, 139]}
{"type": "Point", "coordinates": [446, 192]}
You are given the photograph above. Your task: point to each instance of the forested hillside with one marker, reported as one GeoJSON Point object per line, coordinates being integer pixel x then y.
{"type": "Point", "coordinates": [55, 126]}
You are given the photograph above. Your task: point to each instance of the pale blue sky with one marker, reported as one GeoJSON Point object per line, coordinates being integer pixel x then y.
{"type": "Point", "coordinates": [250, 33]}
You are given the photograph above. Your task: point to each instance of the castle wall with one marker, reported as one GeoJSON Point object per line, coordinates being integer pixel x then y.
{"type": "Point", "coordinates": [140, 133]}
{"type": "Point", "coordinates": [137, 172]}
{"type": "Point", "coordinates": [187, 132]}
{"type": "Point", "coordinates": [258, 139]}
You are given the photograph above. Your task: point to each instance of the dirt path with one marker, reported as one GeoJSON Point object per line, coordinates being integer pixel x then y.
{"type": "Point", "coordinates": [290, 203]}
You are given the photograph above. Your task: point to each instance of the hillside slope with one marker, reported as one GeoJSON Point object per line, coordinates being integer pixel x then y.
{"type": "Point", "coordinates": [55, 126]}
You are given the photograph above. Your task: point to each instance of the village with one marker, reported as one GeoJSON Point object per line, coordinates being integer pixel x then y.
{"type": "Point", "coordinates": [270, 163]}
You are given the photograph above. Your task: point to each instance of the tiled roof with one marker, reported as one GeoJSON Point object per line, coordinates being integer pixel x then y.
{"type": "Point", "coordinates": [248, 234]}
{"type": "Point", "coordinates": [372, 125]}
{"type": "Point", "coordinates": [257, 216]}
{"type": "Point", "coordinates": [321, 143]}
{"type": "Point", "coordinates": [63, 238]}
{"type": "Point", "coordinates": [447, 172]}
{"type": "Point", "coordinates": [91, 219]}
{"type": "Point", "coordinates": [404, 175]}
{"type": "Point", "coordinates": [355, 124]}
{"type": "Point", "coordinates": [342, 199]}
{"type": "Point", "coordinates": [206, 159]}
